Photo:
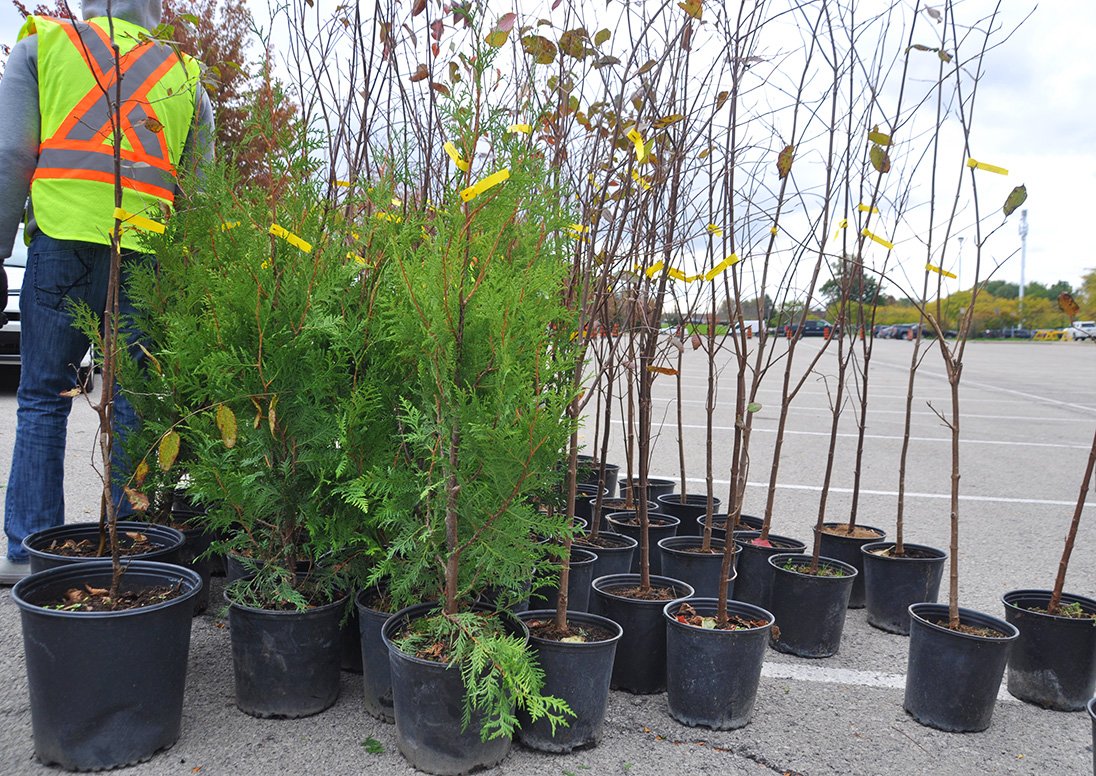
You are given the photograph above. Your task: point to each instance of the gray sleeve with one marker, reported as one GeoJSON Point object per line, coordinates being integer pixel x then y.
{"type": "Point", "coordinates": [19, 137]}
{"type": "Point", "coordinates": [199, 142]}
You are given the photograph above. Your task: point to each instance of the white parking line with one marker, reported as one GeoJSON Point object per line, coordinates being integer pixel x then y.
{"type": "Point", "coordinates": [894, 493]}
{"type": "Point", "coordinates": [846, 676]}
{"type": "Point", "coordinates": [946, 440]}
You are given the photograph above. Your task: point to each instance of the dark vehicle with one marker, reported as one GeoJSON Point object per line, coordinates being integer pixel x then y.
{"type": "Point", "coordinates": [811, 328]}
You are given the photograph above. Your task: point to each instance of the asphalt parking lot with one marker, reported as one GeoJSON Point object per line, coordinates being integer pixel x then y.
{"type": "Point", "coordinates": [1029, 410]}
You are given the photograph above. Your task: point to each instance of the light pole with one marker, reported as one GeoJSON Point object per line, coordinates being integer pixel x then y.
{"type": "Point", "coordinates": [1023, 260]}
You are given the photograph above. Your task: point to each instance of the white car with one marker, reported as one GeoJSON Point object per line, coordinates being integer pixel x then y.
{"type": "Point", "coordinates": [15, 267]}
{"type": "Point", "coordinates": [1081, 330]}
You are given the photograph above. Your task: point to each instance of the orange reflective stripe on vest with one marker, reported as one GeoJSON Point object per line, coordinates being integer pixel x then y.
{"type": "Point", "coordinates": [80, 148]}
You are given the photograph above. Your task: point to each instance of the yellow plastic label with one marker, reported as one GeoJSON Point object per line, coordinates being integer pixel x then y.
{"type": "Point", "coordinates": [482, 185]}
{"type": "Point", "coordinates": [284, 234]}
{"type": "Point", "coordinates": [643, 183]}
{"type": "Point", "coordinates": [524, 129]}
{"type": "Point", "coordinates": [843, 223]}
{"type": "Point", "coordinates": [941, 271]}
{"type": "Point", "coordinates": [876, 238]}
{"type": "Point", "coordinates": [637, 141]}
{"type": "Point", "coordinates": [388, 217]}
{"type": "Point", "coordinates": [721, 267]}
{"type": "Point", "coordinates": [229, 225]}
{"type": "Point", "coordinates": [975, 165]}
{"type": "Point", "coordinates": [454, 154]}
{"type": "Point", "coordinates": [867, 208]}
{"type": "Point", "coordinates": [715, 230]}
{"type": "Point", "coordinates": [134, 221]}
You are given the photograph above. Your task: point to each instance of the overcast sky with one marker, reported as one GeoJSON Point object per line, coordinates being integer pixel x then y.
{"type": "Point", "coordinates": [1036, 118]}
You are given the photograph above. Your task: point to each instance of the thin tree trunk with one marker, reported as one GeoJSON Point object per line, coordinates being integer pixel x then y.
{"type": "Point", "coordinates": [1063, 564]}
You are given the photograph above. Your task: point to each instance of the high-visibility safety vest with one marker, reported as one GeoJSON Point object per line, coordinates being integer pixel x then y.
{"type": "Point", "coordinates": [72, 190]}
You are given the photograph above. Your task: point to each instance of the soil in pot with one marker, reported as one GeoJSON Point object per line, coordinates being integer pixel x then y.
{"type": "Point", "coordinates": [952, 677]}
{"type": "Point", "coordinates": [809, 605]}
{"type": "Point", "coordinates": [1053, 661]}
{"type": "Point", "coordinates": [79, 542]}
{"type": "Point", "coordinates": [285, 662]}
{"type": "Point", "coordinates": [686, 509]}
{"type": "Point", "coordinates": [640, 665]}
{"type": "Point", "coordinates": [712, 672]}
{"type": "Point", "coordinates": [578, 666]}
{"type": "Point", "coordinates": [754, 582]}
{"type": "Point", "coordinates": [374, 609]}
{"type": "Point", "coordinates": [614, 552]}
{"type": "Point", "coordinates": [659, 527]}
{"type": "Point", "coordinates": [612, 505]}
{"type": "Point", "coordinates": [838, 543]}
{"type": "Point", "coordinates": [892, 583]}
{"type": "Point", "coordinates": [683, 558]}
{"type": "Point", "coordinates": [106, 689]}
{"type": "Point", "coordinates": [428, 702]}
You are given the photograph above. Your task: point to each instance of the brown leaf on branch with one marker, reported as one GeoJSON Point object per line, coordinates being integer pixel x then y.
{"type": "Point", "coordinates": [1068, 304]}
{"type": "Point", "coordinates": [784, 161]}
{"type": "Point", "coordinates": [421, 73]}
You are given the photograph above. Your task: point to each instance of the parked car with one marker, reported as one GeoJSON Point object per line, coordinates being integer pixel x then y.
{"type": "Point", "coordinates": [15, 268]}
{"type": "Point", "coordinates": [1080, 330]}
{"type": "Point", "coordinates": [811, 328]}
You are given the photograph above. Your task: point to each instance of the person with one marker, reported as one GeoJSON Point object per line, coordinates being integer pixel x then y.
{"type": "Point", "coordinates": [56, 145]}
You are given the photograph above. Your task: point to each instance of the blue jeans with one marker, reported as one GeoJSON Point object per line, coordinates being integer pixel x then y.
{"type": "Point", "coordinates": [59, 273]}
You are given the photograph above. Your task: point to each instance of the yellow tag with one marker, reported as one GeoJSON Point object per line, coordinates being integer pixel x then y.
{"type": "Point", "coordinates": [388, 217]}
{"type": "Point", "coordinates": [229, 225]}
{"type": "Point", "coordinates": [677, 274]}
{"type": "Point", "coordinates": [641, 181]}
{"type": "Point", "coordinates": [524, 129]}
{"type": "Point", "coordinates": [939, 271]}
{"type": "Point", "coordinates": [867, 208]}
{"type": "Point", "coordinates": [343, 184]}
{"type": "Point", "coordinates": [721, 267]}
{"type": "Point", "coordinates": [713, 229]}
{"type": "Point", "coordinates": [482, 185]}
{"type": "Point", "coordinates": [876, 238]}
{"type": "Point", "coordinates": [654, 269]}
{"type": "Point", "coordinates": [774, 231]}
{"type": "Point", "coordinates": [138, 222]}
{"type": "Point", "coordinates": [844, 222]}
{"type": "Point", "coordinates": [987, 167]}
{"type": "Point", "coordinates": [289, 237]}
{"type": "Point", "coordinates": [579, 228]}
{"type": "Point", "coordinates": [879, 138]}
{"type": "Point", "coordinates": [637, 141]}
{"type": "Point", "coordinates": [397, 202]}
{"type": "Point", "coordinates": [454, 154]}
{"type": "Point", "coordinates": [355, 258]}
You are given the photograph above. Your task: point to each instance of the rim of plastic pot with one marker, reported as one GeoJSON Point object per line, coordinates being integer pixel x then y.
{"type": "Point", "coordinates": [360, 602]}
{"type": "Point", "coordinates": [340, 601]}
{"type": "Point", "coordinates": [1008, 631]}
{"type": "Point", "coordinates": [594, 619]}
{"type": "Point", "coordinates": [96, 568]}
{"type": "Point", "coordinates": [599, 584]}
{"type": "Point", "coordinates": [691, 500]}
{"type": "Point", "coordinates": [776, 560]}
{"type": "Point", "coordinates": [712, 604]}
{"type": "Point", "coordinates": [650, 481]}
{"type": "Point", "coordinates": [668, 543]}
{"type": "Point", "coordinates": [742, 538]}
{"type": "Point", "coordinates": [878, 530]}
{"type": "Point", "coordinates": [660, 519]}
{"type": "Point", "coordinates": [589, 489]}
{"type": "Point", "coordinates": [1014, 599]}
{"type": "Point", "coordinates": [626, 542]}
{"type": "Point", "coordinates": [867, 549]}
{"type": "Point", "coordinates": [1092, 709]}
{"type": "Point", "coordinates": [416, 611]}
{"type": "Point", "coordinates": [178, 538]}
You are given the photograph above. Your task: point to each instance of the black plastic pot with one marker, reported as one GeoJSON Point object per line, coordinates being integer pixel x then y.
{"type": "Point", "coordinates": [640, 665]}
{"type": "Point", "coordinates": [695, 506]}
{"type": "Point", "coordinates": [238, 566]}
{"type": "Point", "coordinates": [578, 584]}
{"type": "Point", "coordinates": [655, 487]}
{"type": "Point", "coordinates": [194, 555]}
{"type": "Point", "coordinates": [428, 700]}
{"type": "Point", "coordinates": [286, 663]}
{"type": "Point", "coordinates": [847, 550]}
{"type": "Point", "coordinates": [809, 609]}
{"type": "Point", "coordinates": [376, 675]}
{"type": "Point", "coordinates": [579, 673]}
{"type": "Point", "coordinates": [585, 496]}
{"type": "Point", "coordinates": [891, 584]}
{"type": "Point", "coordinates": [659, 527]}
{"type": "Point", "coordinates": [1092, 715]}
{"type": "Point", "coordinates": [1053, 662]}
{"type": "Point", "coordinates": [952, 678]}
{"type": "Point", "coordinates": [719, 524]}
{"type": "Point", "coordinates": [612, 560]}
{"type": "Point", "coordinates": [350, 641]}
{"type": "Point", "coordinates": [754, 583]}
{"type": "Point", "coordinates": [106, 688]}
{"type": "Point", "coordinates": [712, 675]}
{"type": "Point", "coordinates": [169, 543]}
{"type": "Point", "coordinates": [699, 571]}
{"type": "Point", "coordinates": [592, 469]}
{"type": "Point", "coordinates": [613, 505]}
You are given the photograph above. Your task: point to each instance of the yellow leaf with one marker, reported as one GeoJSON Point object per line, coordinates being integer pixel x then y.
{"type": "Point", "coordinates": [226, 424]}
{"type": "Point", "coordinates": [140, 473]}
{"type": "Point", "coordinates": [270, 413]}
{"type": "Point", "coordinates": [879, 138]}
{"type": "Point", "coordinates": [137, 500]}
{"type": "Point", "coordinates": [880, 160]}
{"type": "Point", "coordinates": [666, 121]}
{"type": "Point", "coordinates": [784, 161]}
{"type": "Point", "coordinates": [152, 359]}
{"type": "Point", "coordinates": [692, 7]}
{"type": "Point", "coordinates": [169, 450]}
